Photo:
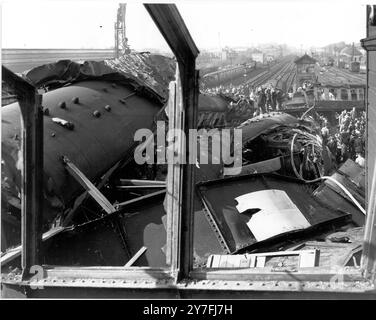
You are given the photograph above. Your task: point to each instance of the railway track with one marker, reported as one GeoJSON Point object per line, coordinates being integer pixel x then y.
{"type": "Point", "coordinates": [275, 74]}
{"type": "Point", "coordinates": [349, 75]}
{"type": "Point", "coordinates": [340, 77]}
{"type": "Point", "coordinates": [290, 80]}
{"type": "Point", "coordinates": [287, 79]}
{"type": "Point", "coordinates": [283, 74]}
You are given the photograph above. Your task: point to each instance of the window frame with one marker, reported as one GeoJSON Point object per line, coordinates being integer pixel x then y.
{"type": "Point", "coordinates": [182, 274]}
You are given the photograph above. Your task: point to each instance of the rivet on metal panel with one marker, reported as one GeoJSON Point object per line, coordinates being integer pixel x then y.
{"type": "Point", "coordinates": [75, 100]}
{"type": "Point", "coordinates": [238, 284]}
{"type": "Point", "coordinates": [96, 114]}
{"type": "Point", "coordinates": [62, 105]}
{"type": "Point", "coordinates": [107, 108]}
{"type": "Point", "coordinates": [53, 134]}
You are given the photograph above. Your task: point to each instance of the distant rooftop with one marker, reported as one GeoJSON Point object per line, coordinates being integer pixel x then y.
{"type": "Point", "coordinates": [306, 59]}
{"type": "Point", "coordinates": [350, 50]}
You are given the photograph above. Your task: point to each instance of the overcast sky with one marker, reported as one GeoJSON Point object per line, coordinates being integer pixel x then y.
{"type": "Point", "coordinates": [213, 24]}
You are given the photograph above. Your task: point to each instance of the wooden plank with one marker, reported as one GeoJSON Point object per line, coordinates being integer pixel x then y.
{"type": "Point", "coordinates": [136, 257]}
{"type": "Point", "coordinates": [15, 252]}
{"type": "Point", "coordinates": [307, 258]}
{"type": "Point", "coordinates": [99, 198]}
{"type": "Point", "coordinates": [170, 173]}
{"type": "Point", "coordinates": [135, 182]}
{"type": "Point", "coordinates": [79, 200]}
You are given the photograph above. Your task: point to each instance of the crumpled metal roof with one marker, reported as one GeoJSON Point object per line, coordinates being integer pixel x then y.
{"type": "Point", "coordinates": [252, 128]}
{"type": "Point", "coordinates": [147, 73]}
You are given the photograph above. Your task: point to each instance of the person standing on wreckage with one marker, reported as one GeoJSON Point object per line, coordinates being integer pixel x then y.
{"type": "Point", "coordinates": [261, 101]}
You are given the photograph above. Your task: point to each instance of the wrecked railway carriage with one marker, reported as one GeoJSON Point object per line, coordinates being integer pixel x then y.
{"type": "Point", "coordinates": [82, 106]}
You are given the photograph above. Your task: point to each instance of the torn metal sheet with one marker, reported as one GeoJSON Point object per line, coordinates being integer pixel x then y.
{"type": "Point", "coordinates": [252, 128]}
{"type": "Point", "coordinates": [219, 197]}
{"type": "Point", "coordinates": [354, 173]}
{"type": "Point", "coordinates": [352, 176]}
{"type": "Point", "coordinates": [276, 213]}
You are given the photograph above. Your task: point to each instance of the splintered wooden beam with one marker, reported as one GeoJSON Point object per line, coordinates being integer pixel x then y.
{"type": "Point", "coordinates": [89, 186]}
{"type": "Point", "coordinates": [136, 257]}
{"type": "Point", "coordinates": [136, 182]}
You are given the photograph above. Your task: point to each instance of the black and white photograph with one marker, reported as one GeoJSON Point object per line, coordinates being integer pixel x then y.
{"type": "Point", "coordinates": [188, 151]}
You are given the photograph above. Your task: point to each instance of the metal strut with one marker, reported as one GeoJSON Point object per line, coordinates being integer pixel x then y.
{"type": "Point", "coordinates": [99, 198]}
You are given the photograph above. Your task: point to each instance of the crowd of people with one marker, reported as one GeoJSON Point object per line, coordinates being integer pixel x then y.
{"type": "Point", "coordinates": [251, 100]}
{"type": "Point", "coordinates": [346, 139]}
